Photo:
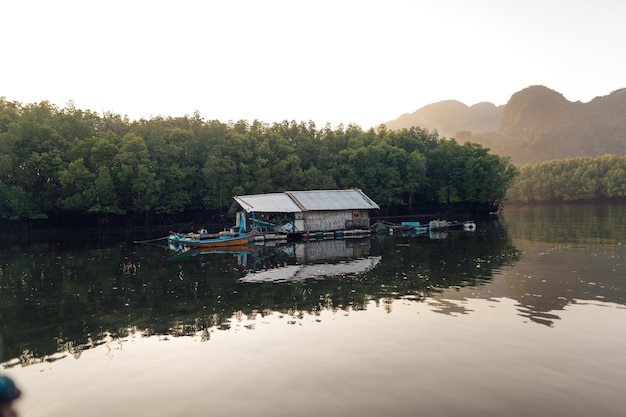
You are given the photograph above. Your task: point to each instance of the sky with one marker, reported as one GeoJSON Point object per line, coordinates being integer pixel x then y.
{"type": "Point", "coordinates": [351, 62]}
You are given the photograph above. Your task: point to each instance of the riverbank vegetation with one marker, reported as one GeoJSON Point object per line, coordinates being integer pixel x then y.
{"type": "Point", "coordinates": [576, 179]}
{"type": "Point", "coordinates": [65, 160]}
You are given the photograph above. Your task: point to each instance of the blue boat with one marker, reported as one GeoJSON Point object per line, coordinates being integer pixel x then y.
{"type": "Point", "coordinates": [415, 227]}
{"type": "Point", "coordinates": [202, 239]}
{"type": "Point", "coordinates": [229, 239]}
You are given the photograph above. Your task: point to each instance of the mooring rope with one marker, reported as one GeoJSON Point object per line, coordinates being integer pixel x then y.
{"type": "Point", "coordinates": [150, 240]}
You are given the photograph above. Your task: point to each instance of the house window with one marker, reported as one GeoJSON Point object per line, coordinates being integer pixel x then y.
{"type": "Point", "coordinates": [356, 214]}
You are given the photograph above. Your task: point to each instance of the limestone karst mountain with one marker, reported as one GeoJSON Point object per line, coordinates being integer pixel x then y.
{"type": "Point", "coordinates": [536, 124]}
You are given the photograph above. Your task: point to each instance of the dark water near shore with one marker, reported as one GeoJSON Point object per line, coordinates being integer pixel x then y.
{"type": "Point", "coordinates": [524, 316]}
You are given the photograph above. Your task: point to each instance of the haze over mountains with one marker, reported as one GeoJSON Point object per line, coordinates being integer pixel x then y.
{"type": "Point", "coordinates": [537, 124]}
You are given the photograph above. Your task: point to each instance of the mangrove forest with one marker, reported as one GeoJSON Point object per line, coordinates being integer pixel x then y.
{"type": "Point", "coordinates": [66, 161]}
{"type": "Point", "coordinates": [572, 179]}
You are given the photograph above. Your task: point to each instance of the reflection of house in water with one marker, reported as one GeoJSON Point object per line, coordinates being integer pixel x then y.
{"type": "Point", "coordinates": [317, 260]}
{"type": "Point", "coordinates": [336, 249]}
{"type": "Point", "coordinates": [291, 273]}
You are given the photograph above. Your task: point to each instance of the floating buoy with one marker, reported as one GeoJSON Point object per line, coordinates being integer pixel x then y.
{"type": "Point", "coordinates": [470, 226]}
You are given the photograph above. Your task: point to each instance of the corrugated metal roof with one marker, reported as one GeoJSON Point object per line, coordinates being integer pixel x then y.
{"type": "Point", "coordinates": [333, 200]}
{"type": "Point", "coordinates": [267, 203]}
{"type": "Point", "coordinates": [298, 201]}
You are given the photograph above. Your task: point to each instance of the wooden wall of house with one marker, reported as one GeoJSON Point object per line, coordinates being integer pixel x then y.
{"type": "Point", "coordinates": [326, 221]}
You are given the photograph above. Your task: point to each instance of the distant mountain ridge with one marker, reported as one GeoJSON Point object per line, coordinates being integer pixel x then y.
{"type": "Point", "coordinates": [451, 116]}
{"type": "Point", "coordinates": [536, 124]}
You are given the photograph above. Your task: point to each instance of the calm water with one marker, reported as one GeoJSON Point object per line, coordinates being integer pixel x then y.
{"type": "Point", "coordinates": [524, 316]}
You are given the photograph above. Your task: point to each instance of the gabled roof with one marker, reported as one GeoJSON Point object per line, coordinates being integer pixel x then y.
{"type": "Point", "coordinates": [332, 200]}
{"type": "Point", "coordinates": [299, 201]}
{"type": "Point", "coordinates": [267, 203]}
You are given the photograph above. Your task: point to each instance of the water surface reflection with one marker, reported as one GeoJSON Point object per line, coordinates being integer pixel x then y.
{"type": "Point", "coordinates": [520, 317]}
{"type": "Point", "coordinates": [66, 295]}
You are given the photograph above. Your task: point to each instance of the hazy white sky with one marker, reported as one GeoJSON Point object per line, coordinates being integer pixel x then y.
{"type": "Point", "coordinates": [363, 62]}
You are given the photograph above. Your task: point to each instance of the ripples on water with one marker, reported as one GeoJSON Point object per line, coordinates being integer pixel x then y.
{"type": "Point", "coordinates": [523, 316]}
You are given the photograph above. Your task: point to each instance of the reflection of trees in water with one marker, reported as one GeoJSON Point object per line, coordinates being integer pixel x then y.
{"type": "Point", "coordinates": [580, 225]}
{"type": "Point", "coordinates": [56, 298]}
{"type": "Point", "coordinates": [571, 253]}
{"type": "Point", "coordinates": [551, 278]}
{"type": "Point", "coordinates": [461, 259]}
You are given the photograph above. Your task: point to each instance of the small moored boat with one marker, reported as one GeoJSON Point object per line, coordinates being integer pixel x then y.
{"type": "Point", "coordinates": [200, 240]}
{"type": "Point", "coordinates": [237, 236]}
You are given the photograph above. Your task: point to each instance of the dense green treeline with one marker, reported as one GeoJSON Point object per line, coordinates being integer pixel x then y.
{"type": "Point", "coordinates": [577, 179]}
{"type": "Point", "coordinates": [66, 160]}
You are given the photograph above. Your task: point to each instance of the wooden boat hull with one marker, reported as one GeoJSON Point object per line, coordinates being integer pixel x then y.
{"type": "Point", "coordinates": [221, 241]}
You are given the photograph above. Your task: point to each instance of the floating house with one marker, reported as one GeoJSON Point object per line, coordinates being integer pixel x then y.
{"type": "Point", "coordinates": [307, 213]}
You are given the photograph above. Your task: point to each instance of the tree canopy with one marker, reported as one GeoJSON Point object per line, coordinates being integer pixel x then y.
{"type": "Point", "coordinates": [575, 179]}
{"type": "Point", "coordinates": [74, 161]}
